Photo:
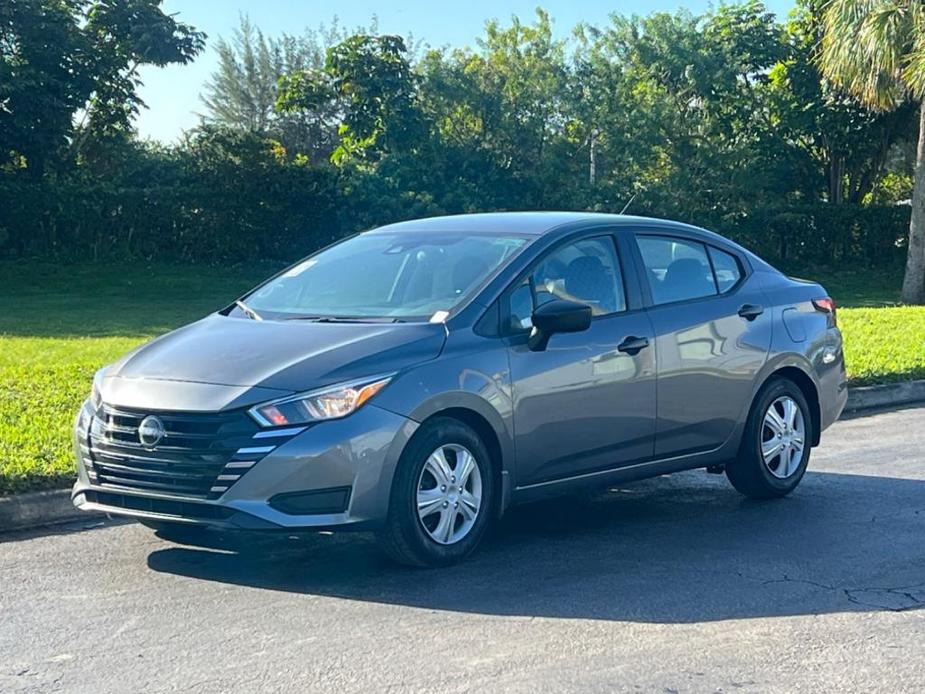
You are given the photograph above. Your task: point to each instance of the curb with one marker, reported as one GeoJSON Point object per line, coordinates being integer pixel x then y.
{"type": "Point", "coordinates": [871, 397]}
{"type": "Point", "coordinates": [32, 509]}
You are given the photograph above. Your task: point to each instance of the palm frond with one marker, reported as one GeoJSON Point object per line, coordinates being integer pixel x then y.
{"type": "Point", "coordinates": [914, 62]}
{"type": "Point", "coordinates": [865, 47]}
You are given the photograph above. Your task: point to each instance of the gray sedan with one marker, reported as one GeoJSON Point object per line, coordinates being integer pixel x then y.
{"type": "Point", "coordinates": [417, 379]}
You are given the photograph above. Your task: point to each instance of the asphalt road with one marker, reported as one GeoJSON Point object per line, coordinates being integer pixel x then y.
{"type": "Point", "coordinates": [674, 584]}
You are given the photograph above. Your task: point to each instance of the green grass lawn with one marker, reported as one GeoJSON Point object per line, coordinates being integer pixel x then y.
{"type": "Point", "coordinates": [883, 345]}
{"type": "Point", "coordinates": [60, 323]}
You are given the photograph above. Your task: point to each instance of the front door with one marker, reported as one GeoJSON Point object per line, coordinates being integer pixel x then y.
{"type": "Point", "coordinates": [587, 402]}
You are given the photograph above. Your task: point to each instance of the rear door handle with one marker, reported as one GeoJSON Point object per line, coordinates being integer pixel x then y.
{"type": "Point", "coordinates": [632, 345]}
{"type": "Point", "coordinates": [750, 311]}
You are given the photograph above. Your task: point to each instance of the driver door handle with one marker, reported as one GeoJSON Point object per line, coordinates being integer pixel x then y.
{"type": "Point", "coordinates": [632, 345]}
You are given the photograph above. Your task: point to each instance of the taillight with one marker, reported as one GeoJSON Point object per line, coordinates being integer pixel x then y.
{"type": "Point", "coordinates": [826, 305]}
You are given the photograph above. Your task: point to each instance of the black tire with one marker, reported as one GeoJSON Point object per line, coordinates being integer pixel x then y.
{"type": "Point", "coordinates": [404, 537]}
{"type": "Point", "coordinates": [748, 472]}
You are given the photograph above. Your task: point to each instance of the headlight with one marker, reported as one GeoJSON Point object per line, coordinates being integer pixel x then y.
{"type": "Point", "coordinates": [96, 398]}
{"type": "Point", "coordinates": [332, 402]}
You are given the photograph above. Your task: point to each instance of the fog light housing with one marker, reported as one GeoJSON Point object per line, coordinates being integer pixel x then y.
{"type": "Point", "coordinates": [314, 502]}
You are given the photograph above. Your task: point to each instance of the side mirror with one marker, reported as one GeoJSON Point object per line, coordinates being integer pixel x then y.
{"type": "Point", "coordinates": [557, 316]}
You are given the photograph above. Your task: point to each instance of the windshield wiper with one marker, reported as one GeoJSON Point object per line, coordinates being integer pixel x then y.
{"type": "Point", "coordinates": [349, 319]}
{"type": "Point", "coordinates": [248, 311]}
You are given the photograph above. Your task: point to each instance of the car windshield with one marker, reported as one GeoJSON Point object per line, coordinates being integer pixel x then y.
{"type": "Point", "coordinates": [384, 275]}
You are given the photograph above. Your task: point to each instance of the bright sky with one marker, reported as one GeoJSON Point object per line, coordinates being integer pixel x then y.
{"type": "Point", "coordinates": [172, 93]}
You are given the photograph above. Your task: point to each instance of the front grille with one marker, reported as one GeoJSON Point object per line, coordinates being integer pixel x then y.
{"type": "Point", "coordinates": [165, 507]}
{"type": "Point", "coordinates": [200, 454]}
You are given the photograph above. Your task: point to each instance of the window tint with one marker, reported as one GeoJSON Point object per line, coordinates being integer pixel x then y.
{"type": "Point", "coordinates": [586, 271]}
{"type": "Point", "coordinates": [676, 269]}
{"type": "Point", "coordinates": [726, 268]}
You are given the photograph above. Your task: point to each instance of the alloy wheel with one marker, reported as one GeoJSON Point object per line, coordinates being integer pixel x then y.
{"type": "Point", "coordinates": [783, 437]}
{"type": "Point", "coordinates": [449, 493]}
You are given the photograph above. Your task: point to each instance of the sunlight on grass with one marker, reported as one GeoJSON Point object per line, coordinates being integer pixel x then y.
{"type": "Point", "coordinates": [62, 323]}
{"type": "Point", "coordinates": [42, 383]}
{"type": "Point", "coordinates": [883, 344]}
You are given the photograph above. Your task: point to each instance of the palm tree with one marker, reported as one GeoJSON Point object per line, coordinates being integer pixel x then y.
{"type": "Point", "coordinates": [876, 50]}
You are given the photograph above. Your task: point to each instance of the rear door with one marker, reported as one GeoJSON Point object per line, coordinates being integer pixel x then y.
{"type": "Point", "coordinates": [587, 402]}
{"type": "Point", "coordinates": [712, 333]}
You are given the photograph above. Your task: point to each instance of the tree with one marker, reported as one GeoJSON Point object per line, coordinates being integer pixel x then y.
{"type": "Point", "coordinates": [369, 82]}
{"type": "Point", "coordinates": [498, 116]}
{"type": "Point", "coordinates": [44, 79]}
{"type": "Point", "coordinates": [841, 147]}
{"type": "Point", "coordinates": [243, 90]}
{"type": "Point", "coordinates": [876, 50]}
{"type": "Point", "coordinates": [61, 57]}
{"type": "Point", "coordinates": [695, 113]}
{"type": "Point", "coordinates": [124, 35]}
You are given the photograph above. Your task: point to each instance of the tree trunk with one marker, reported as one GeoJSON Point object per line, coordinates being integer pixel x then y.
{"type": "Point", "coordinates": [914, 281]}
{"type": "Point", "coordinates": [592, 164]}
{"type": "Point", "coordinates": [836, 179]}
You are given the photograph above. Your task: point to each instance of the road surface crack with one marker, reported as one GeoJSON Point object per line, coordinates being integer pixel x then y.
{"type": "Point", "coordinates": [897, 599]}
{"type": "Point", "coordinates": [787, 579]}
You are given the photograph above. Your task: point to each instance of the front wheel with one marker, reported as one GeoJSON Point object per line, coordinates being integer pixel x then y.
{"type": "Point", "coordinates": [442, 496]}
{"type": "Point", "coordinates": [776, 443]}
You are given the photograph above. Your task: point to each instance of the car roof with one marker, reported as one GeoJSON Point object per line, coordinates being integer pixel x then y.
{"type": "Point", "coordinates": [538, 224]}
{"type": "Point", "coordinates": [531, 223]}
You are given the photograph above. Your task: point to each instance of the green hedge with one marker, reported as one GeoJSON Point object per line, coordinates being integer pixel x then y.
{"type": "Point", "coordinates": [821, 234]}
{"type": "Point", "coordinates": [267, 217]}
{"type": "Point", "coordinates": [285, 212]}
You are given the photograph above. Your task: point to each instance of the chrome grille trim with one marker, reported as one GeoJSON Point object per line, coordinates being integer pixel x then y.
{"type": "Point", "coordinates": [279, 433]}
{"type": "Point", "coordinates": [186, 462]}
{"type": "Point", "coordinates": [200, 456]}
{"type": "Point", "coordinates": [255, 450]}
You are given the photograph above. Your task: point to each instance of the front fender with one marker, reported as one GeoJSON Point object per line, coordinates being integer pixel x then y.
{"type": "Point", "coordinates": [475, 378]}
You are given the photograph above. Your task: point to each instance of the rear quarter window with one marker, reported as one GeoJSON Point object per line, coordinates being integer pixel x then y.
{"type": "Point", "coordinates": [726, 268]}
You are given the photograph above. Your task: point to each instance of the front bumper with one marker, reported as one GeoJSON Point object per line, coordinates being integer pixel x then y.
{"type": "Point", "coordinates": [345, 464]}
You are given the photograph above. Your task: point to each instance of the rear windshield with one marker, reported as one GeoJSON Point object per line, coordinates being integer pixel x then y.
{"type": "Point", "coordinates": [401, 275]}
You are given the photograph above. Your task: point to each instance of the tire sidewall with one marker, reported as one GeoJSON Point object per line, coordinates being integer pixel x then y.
{"type": "Point", "coordinates": [403, 504]}
{"type": "Point", "coordinates": [776, 389]}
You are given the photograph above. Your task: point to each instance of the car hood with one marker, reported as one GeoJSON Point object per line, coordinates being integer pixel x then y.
{"type": "Point", "coordinates": [289, 356]}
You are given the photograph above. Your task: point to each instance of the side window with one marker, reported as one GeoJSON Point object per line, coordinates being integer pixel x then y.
{"type": "Point", "coordinates": [676, 269]}
{"type": "Point", "coordinates": [726, 267]}
{"type": "Point", "coordinates": [585, 271]}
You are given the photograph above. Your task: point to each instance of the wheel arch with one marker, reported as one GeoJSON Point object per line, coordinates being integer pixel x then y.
{"type": "Point", "coordinates": [810, 391]}
{"type": "Point", "coordinates": [494, 442]}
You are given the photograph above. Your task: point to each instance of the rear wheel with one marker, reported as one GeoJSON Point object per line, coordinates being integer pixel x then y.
{"type": "Point", "coordinates": [442, 496]}
{"type": "Point", "coordinates": [775, 446]}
